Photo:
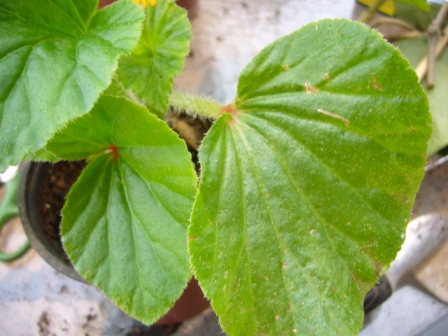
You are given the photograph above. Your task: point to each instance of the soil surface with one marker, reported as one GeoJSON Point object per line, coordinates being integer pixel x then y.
{"type": "Point", "coordinates": [192, 130]}
{"type": "Point", "coordinates": [56, 181]}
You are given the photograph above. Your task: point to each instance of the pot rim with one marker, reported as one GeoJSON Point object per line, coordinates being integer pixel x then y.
{"type": "Point", "coordinates": [31, 217]}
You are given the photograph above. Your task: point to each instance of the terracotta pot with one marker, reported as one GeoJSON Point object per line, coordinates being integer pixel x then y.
{"type": "Point", "coordinates": [191, 303]}
{"type": "Point", "coordinates": [192, 6]}
{"type": "Point", "coordinates": [32, 206]}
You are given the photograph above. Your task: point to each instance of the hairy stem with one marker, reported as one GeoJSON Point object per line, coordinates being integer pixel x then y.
{"type": "Point", "coordinates": [193, 105]}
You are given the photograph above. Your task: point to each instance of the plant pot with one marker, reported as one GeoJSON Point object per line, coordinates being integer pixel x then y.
{"type": "Point", "coordinates": [191, 303]}
{"type": "Point", "coordinates": [42, 228]}
{"type": "Point", "coordinates": [34, 207]}
{"type": "Point", "coordinates": [192, 6]}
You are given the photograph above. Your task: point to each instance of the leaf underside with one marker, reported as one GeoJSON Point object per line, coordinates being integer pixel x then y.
{"type": "Point", "coordinates": [159, 55]}
{"type": "Point", "coordinates": [307, 185]}
{"type": "Point", "coordinates": [56, 57]}
{"type": "Point", "coordinates": [125, 220]}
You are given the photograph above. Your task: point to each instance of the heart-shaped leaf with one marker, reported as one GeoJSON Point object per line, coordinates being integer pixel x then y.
{"type": "Point", "coordinates": [159, 56]}
{"type": "Point", "coordinates": [125, 221]}
{"type": "Point", "coordinates": [307, 183]}
{"type": "Point", "coordinates": [56, 57]}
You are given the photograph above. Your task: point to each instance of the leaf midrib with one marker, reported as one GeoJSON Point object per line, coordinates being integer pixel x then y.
{"type": "Point", "coordinates": [280, 242]}
{"type": "Point", "coordinates": [136, 250]}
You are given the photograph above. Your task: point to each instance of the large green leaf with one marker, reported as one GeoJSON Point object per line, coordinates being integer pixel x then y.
{"type": "Point", "coordinates": [55, 59]}
{"type": "Point", "coordinates": [308, 182]}
{"type": "Point", "coordinates": [415, 50]}
{"type": "Point", "coordinates": [159, 56]}
{"type": "Point", "coordinates": [125, 221]}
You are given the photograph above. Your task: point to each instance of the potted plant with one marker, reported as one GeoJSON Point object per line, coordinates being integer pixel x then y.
{"type": "Point", "coordinates": [307, 178]}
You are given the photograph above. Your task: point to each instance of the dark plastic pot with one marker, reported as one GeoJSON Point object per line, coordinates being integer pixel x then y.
{"type": "Point", "coordinates": [191, 303]}
{"type": "Point", "coordinates": [31, 216]}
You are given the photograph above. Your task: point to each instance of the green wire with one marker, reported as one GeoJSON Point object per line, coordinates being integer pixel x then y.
{"type": "Point", "coordinates": [9, 210]}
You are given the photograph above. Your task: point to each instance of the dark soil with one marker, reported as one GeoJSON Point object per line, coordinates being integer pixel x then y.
{"type": "Point", "coordinates": [192, 130]}
{"type": "Point", "coordinates": [56, 181]}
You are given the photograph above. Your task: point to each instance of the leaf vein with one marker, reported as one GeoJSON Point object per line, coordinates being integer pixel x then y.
{"type": "Point", "coordinates": [272, 221]}
{"type": "Point", "coordinates": [300, 192]}
{"type": "Point", "coordinates": [136, 250]}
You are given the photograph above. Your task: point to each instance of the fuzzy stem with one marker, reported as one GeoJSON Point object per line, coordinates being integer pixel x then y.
{"type": "Point", "coordinates": [193, 104]}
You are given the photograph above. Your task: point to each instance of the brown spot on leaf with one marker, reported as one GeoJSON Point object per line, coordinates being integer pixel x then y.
{"type": "Point", "coordinates": [334, 115]}
{"type": "Point", "coordinates": [376, 86]}
{"type": "Point", "coordinates": [309, 88]}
